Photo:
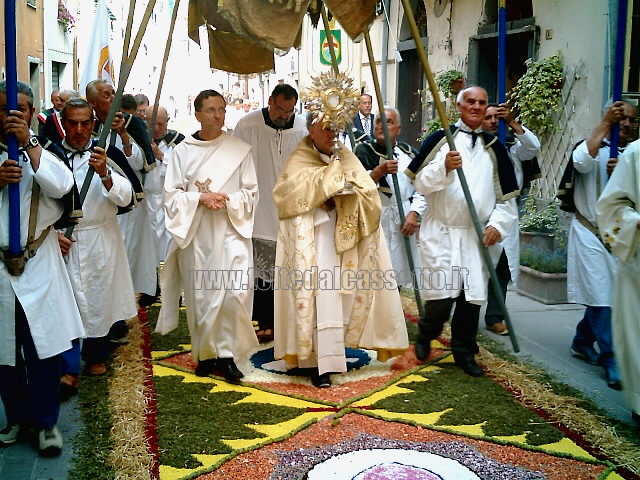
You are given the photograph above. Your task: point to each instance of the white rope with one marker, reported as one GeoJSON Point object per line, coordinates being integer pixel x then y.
{"type": "Point", "coordinates": [397, 55]}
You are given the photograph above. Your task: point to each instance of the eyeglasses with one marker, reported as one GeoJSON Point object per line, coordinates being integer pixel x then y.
{"type": "Point", "coordinates": [282, 111]}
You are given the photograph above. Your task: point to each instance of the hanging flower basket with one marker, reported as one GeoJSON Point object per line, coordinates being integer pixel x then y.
{"type": "Point", "coordinates": [64, 16]}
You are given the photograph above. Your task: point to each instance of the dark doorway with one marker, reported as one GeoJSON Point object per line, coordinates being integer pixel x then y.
{"type": "Point", "coordinates": [410, 85]}
{"type": "Point", "coordinates": [483, 56]}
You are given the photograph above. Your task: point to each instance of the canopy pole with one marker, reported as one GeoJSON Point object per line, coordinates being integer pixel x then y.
{"type": "Point", "coordinates": [125, 70]}
{"type": "Point", "coordinates": [618, 71]}
{"type": "Point", "coordinates": [12, 104]}
{"type": "Point", "coordinates": [163, 69]}
{"type": "Point", "coordinates": [463, 181]}
{"type": "Point", "coordinates": [127, 32]}
{"type": "Point", "coordinates": [502, 65]}
{"type": "Point", "coordinates": [396, 186]}
{"type": "Point", "coordinates": [334, 64]}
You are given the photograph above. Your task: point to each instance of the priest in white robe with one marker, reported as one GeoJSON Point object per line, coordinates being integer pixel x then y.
{"type": "Point", "coordinates": [273, 133]}
{"type": "Point", "coordinates": [619, 224]}
{"type": "Point", "coordinates": [333, 287]}
{"type": "Point", "coordinates": [210, 196]}
{"type": "Point", "coordinates": [164, 141]}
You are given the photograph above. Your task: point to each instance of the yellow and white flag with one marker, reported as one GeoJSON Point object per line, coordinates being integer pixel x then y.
{"type": "Point", "coordinates": [97, 61]}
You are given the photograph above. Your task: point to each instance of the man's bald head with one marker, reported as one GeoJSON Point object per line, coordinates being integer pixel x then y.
{"type": "Point", "coordinates": [162, 121]}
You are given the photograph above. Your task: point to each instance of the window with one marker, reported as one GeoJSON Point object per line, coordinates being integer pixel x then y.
{"type": "Point", "coordinates": [31, 3]}
{"type": "Point", "coordinates": [57, 69]}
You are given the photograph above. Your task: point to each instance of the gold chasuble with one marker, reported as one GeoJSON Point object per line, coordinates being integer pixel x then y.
{"type": "Point", "coordinates": [307, 182]}
{"type": "Point", "coordinates": [310, 193]}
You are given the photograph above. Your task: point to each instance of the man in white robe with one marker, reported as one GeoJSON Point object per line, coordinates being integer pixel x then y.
{"type": "Point", "coordinates": [39, 316]}
{"type": "Point", "coordinates": [453, 267]}
{"type": "Point", "coordinates": [210, 196]}
{"type": "Point", "coordinates": [523, 148]}
{"type": "Point", "coordinates": [332, 286]}
{"type": "Point", "coordinates": [135, 225]}
{"type": "Point", "coordinates": [273, 133]}
{"type": "Point", "coordinates": [373, 155]}
{"type": "Point", "coordinates": [619, 224]}
{"type": "Point", "coordinates": [96, 258]}
{"type": "Point", "coordinates": [164, 141]}
{"type": "Point", "coordinates": [590, 267]}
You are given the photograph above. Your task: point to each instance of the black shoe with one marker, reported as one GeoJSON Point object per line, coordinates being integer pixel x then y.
{"type": "Point", "coordinates": [205, 367]}
{"type": "Point", "coordinates": [228, 368]}
{"type": "Point", "coordinates": [636, 419]}
{"type": "Point", "coordinates": [119, 333]}
{"type": "Point", "coordinates": [321, 381]}
{"type": "Point", "coordinates": [469, 366]}
{"type": "Point", "coordinates": [147, 300]}
{"type": "Point", "coordinates": [423, 350]}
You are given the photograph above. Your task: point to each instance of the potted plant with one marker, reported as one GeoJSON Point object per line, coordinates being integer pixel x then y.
{"type": "Point", "coordinates": [543, 253]}
{"type": "Point", "coordinates": [536, 96]}
{"type": "Point", "coordinates": [449, 83]}
{"type": "Point", "coordinates": [538, 226]}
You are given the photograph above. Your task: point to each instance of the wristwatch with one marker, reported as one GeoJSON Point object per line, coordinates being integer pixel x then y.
{"type": "Point", "coordinates": [31, 143]}
{"type": "Point", "coordinates": [107, 175]}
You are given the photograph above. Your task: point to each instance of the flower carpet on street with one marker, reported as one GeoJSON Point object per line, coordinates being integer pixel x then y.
{"type": "Point", "coordinates": [398, 419]}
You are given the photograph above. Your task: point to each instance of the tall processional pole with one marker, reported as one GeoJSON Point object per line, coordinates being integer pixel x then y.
{"type": "Point", "coordinates": [618, 70]}
{"type": "Point", "coordinates": [12, 104]}
{"type": "Point", "coordinates": [502, 65]}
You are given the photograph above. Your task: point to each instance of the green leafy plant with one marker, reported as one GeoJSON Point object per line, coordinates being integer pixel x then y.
{"type": "Point", "coordinates": [545, 220]}
{"type": "Point", "coordinates": [542, 260]}
{"type": "Point", "coordinates": [445, 81]}
{"type": "Point", "coordinates": [537, 94]}
{"type": "Point", "coordinates": [533, 219]}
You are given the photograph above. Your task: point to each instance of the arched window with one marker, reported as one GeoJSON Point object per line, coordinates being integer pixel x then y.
{"type": "Point", "coordinates": [420, 14]}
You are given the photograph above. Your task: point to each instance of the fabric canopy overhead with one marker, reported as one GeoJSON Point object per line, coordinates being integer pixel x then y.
{"type": "Point", "coordinates": [244, 34]}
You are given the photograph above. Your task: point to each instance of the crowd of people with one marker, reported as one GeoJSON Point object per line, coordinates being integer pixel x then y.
{"type": "Point", "coordinates": [280, 200]}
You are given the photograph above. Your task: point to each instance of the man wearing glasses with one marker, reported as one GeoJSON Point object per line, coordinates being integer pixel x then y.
{"type": "Point", "coordinates": [273, 133]}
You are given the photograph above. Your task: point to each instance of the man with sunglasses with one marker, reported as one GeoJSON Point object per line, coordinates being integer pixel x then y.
{"type": "Point", "coordinates": [273, 133]}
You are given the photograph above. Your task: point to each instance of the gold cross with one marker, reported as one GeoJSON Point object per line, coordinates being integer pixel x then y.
{"type": "Point", "coordinates": [203, 186]}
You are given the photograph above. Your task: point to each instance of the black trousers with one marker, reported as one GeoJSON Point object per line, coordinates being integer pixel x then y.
{"type": "Point", "coordinates": [464, 324]}
{"type": "Point", "coordinates": [493, 313]}
{"type": "Point", "coordinates": [263, 304]}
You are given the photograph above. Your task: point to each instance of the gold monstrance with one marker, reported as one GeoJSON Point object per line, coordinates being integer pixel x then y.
{"type": "Point", "coordinates": [333, 101]}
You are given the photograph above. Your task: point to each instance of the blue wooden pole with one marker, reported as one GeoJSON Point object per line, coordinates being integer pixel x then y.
{"type": "Point", "coordinates": [618, 70]}
{"type": "Point", "coordinates": [502, 65]}
{"type": "Point", "coordinates": [12, 104]}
